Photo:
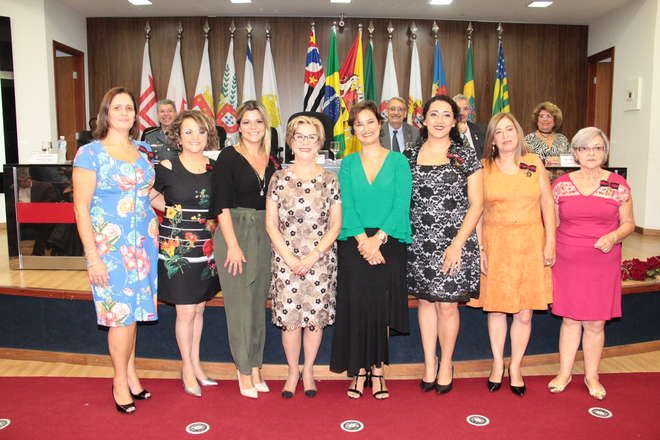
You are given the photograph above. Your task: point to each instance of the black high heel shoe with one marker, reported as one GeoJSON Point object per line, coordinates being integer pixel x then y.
{"type": "Point", "coordinates": [289, 394]}
{"type": "Point", "coordinates": [382, 394]}
{"type": "Point", "coordinates": [129, 408]}
{"type": "Point", "coordinates": [354, 384]}
{"type": "Point", "coordinates": [444, 389]}
{"type": "Point", "coordinates": [142, 395]}
{"type": "Point", "coordinates": [518, 391]}
{"type": "Point", "coordinates": [494, 386]}
{"type": "Point", "coordinates": [428, 386]}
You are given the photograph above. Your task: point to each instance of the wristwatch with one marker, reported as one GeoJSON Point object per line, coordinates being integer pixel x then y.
{"type": "Point", "coordinates": [382, 236]}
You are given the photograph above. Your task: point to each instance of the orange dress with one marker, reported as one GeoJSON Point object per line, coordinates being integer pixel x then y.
{"type": "Point", "coordinates": [513, 238]}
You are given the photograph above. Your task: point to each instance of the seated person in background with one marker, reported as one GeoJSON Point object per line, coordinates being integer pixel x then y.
{"type": "Point", "coordinates": [34, 191]}
{"type": "Point", "coordinates": [395, 134]}
{"type": "Point", "coordinates": [545, 141]}
{"type": "Point", "coordinates": [84, 137]}
{"type": "Point", "coordinates": [473, 133]}
{"type": "Point", "coordinates": [157, 137]}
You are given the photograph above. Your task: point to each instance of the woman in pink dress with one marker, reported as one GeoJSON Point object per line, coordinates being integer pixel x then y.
{"type": "Point", "coordinates": [594, 209]}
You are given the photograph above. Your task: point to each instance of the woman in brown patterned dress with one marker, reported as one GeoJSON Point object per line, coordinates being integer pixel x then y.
{"type": "Point", "coordinates": [303, 219]}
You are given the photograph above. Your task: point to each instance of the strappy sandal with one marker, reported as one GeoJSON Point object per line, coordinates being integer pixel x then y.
{"type": "Point", "coordinates": [377, 394]}
{"type": "Point", "coordinates": [353, 392]}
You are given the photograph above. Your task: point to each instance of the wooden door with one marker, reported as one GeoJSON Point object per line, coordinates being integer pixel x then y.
{"type": "Point", "coordinates": [69, 94]}
{"type": "Point", "coordinates": [599, 90]}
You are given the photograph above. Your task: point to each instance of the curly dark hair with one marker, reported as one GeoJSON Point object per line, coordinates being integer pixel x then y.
{"type": "Point", "coordinates": [454, 135]}
{"type": "Point", "coordinates": [202, 120]}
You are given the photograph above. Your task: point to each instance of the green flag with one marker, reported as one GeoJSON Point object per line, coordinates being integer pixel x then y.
{"type": "Point", "coordinates": [369, 74]}
{"type": "Point", "coordinates": [468, 84]}
{"type": "Point", "coordinates": [333, 105]}
{"type": "Point", "coordinates": [501, 92]}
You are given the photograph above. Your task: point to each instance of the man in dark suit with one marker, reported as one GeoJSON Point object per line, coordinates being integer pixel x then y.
{"type": "Point", "coordinates": [474, 134]}
{"type": "Point", "coordinates": [395, 134]}
{"type": "Point", "coordinates": [157, 137]}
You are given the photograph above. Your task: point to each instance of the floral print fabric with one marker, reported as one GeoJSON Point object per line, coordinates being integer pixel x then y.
{"type": "Point", "coordinates": [126, 234]}
{"type": "Point", "coordinates": [304, 209]}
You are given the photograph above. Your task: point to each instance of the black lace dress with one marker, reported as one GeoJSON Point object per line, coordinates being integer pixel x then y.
{"type": "Point", "coordinates": [438, 206]}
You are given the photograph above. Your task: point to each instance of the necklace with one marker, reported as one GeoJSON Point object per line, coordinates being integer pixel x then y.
{"type": "Point", "coordinates": [261, 184]}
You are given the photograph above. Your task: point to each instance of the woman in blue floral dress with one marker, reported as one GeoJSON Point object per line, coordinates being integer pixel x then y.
{"type": "Point", "coordinates": [112, 180]}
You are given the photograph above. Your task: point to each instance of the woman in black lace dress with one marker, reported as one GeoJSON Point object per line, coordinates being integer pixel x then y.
{"type": "Point", "coordinates": [443, 259]}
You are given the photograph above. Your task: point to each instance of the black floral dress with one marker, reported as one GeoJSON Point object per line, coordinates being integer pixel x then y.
{"type": "Point", "coordinates": [438, 206]}
{"type": "Point", "coordinates": [187, 271]}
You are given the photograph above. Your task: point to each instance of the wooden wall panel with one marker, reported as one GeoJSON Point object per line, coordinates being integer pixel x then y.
{"type": "Point", "coordinates": [544, 62]}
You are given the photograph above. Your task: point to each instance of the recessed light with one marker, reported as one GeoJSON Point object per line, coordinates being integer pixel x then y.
{"type": "Point", "coordinates": [539, 4]}
{"type": "Point", "coordinates": [440, 2]}
{"type": "Point", "coordinates": [340, 1]}
{"type": "Point", "coordinates": [241, 1]}
{"type": "Point", "coordinates": [140, 2]}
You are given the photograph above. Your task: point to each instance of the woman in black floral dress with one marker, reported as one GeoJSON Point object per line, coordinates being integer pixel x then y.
{"type": "Point", "coordinates": [187, 275]}
{"type": "Point", "coordinates": [443, 259]}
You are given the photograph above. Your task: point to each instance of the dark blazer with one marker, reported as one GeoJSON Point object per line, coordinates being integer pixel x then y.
{"type": "Point", "coordinates": [410, 134]}
{"type": "Point", "coordinates": [478, 135]}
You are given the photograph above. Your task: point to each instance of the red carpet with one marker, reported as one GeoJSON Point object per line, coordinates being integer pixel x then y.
{"type": "Point", "coordinates": [65, 408]}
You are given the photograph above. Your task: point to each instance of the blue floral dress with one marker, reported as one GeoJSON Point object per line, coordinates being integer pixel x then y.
{"type": "Point", "coordinates": [126, 234]}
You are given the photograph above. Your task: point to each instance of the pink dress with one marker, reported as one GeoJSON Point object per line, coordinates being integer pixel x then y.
{"type": "Point", "coordinates": [587, 282]}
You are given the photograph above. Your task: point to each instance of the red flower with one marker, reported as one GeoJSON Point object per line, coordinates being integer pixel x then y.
{"type": "Point", "coordinates": [208, 248]}
{"type": "Point", "coordinates": [191, 237]}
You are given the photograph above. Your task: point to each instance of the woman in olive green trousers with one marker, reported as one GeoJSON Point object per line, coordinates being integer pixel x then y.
{"type": "Point", "coordinates": [241, 245]}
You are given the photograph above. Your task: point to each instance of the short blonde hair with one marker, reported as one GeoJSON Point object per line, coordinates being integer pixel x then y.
{"type": "Point", "coordinates": [294, 123]}
{"type": "Point", "coordinates": [550, 108]}
{"type": "Point", "coordinates": [490, 149]}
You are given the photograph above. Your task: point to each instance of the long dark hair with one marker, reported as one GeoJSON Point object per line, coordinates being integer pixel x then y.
{"type": "Point", "coordinates": [454, 134]}
{"type": "Point", "coordinates": [102, 118]}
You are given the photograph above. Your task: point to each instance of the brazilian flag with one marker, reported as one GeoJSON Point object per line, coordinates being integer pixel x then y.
{"type": "Point", "coordinates": [333, 105]}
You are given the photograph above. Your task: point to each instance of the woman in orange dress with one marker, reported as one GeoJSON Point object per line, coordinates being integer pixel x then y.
{"type": "Point", "coordinates": [516, 250]}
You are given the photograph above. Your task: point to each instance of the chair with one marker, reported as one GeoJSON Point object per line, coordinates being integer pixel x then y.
{"type": "Point", "coordinates": [327, 127]}
{"type": "Point", "coordinates": [83, 137]}
{"type": "Point", "coordinates": [222, 137]}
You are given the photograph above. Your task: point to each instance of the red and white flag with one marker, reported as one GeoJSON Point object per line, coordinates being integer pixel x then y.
{"type": "Point", "coordinates": [415, 99]}
{"type": "Point", "coordinates": [176, 88]}
{"type": "Point", "coordinates": [228, 101]}
{"type": "Point", "coordinates": [147, 116]}
{"type": "Point", "coordinates": [390, 84]}
{"type": "Point", "coordinates": [203, 99]}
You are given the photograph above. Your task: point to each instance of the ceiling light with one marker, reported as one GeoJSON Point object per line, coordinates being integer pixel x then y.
{"type": "Point", "coordinates": [440, 2]}
{"type": "Point", "coordinates": [140, 2]}
{"type": "Point", "coordinates": [241, 1]}
{"type": "Point", "coordinates": [539, 4]}
{"type": "Point", "coordinates": [340, 1]}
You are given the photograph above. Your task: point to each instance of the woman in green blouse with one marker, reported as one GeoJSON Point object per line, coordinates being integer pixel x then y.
{"type": "Point", "coordinates": [371, 282]}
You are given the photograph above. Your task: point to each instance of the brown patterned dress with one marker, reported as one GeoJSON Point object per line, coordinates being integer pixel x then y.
{"type": "Point", "coordinates": [304, 211]}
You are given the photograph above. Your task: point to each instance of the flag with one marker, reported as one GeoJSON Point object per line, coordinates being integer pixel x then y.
{"type": "Point", "coordinates": [468, 84]}
{"type": "Point", "coordinates": [314, 76]}
{"type": "Point", "coordinates": [439, 80]}
{"type": "Point", "coordinates": [415, 91]}
{"type": "Point", "coordinates": [333, 105]}
{"type": "Point", "coordinates": [249, 89]}
{"type": "Point", "coordinates": [147, 116]}
{"type": "Point", "coordinates": [269, 96]}
{"type": "Point", "coordinates": [390, 84]}
{"type": "Point", "coordinates": [501, 92]}
{"type": "Point", "coordinates": [203, 99]}
{"type": "Point", "coordinates": [228, 101]}
{"type": "Point", "coordinates": [370, 74]}
{"type": "Point", "coordinates": [351, 76]}
{"type": "Point", "coordinates": [176, 88]}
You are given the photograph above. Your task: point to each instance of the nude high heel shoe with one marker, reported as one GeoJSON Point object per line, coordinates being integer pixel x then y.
{"type": "Point", "coordinates": [249, 392]}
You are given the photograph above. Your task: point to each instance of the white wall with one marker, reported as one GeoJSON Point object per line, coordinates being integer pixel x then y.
{"type": "Point", "coordinates": [68, 27]}
{"type": "Point", "coordinates": [634, 32]}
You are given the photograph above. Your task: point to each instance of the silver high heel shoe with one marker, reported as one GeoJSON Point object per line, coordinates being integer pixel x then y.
{"type": "Point", "coordinates": [193, 391]}
{"type": "Point", "coordinates": [208, 382]}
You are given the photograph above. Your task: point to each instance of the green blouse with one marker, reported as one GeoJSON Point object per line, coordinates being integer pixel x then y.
{"type": "Point", "coordinates": [383, 204]}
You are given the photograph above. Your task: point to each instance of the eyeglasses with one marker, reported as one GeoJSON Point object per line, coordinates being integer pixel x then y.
{"type": "Point", "coordinates": [546, 116]}
{"type": "Point", "coordinates": [396, 109]}
{"type": "Point", "coordinates": [595, 149]}
{"type": "Point", "coordinates": [301, 138]}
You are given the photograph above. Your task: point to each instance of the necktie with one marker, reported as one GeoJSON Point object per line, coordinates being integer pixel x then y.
{"type": "Point", "coordinates": [395, 142]}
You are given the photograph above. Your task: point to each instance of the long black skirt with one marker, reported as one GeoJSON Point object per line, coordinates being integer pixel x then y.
{"type": "Point", "coordinates": [372, 303]}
